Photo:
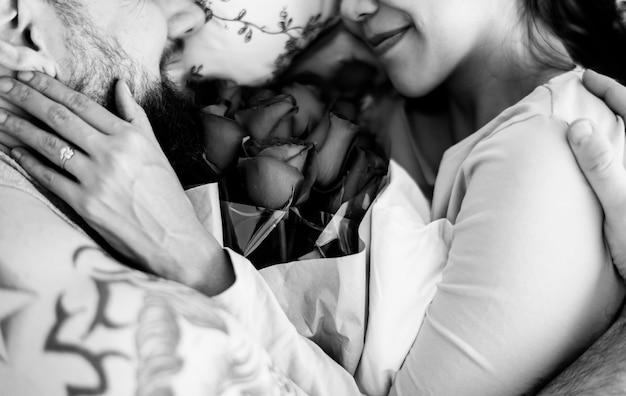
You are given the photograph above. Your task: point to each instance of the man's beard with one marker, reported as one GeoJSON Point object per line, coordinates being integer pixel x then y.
{"type": "Point", "coordinates": [177, 125]}
{"type": "Point", "coordinates": [97, 61]}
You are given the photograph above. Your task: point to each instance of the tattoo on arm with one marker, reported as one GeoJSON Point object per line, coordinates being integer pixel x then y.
{"type": "Point", "coordinates": [111, 317]}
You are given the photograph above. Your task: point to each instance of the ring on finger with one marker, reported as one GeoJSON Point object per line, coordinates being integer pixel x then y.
{"type": "Point", "coordinates": [66, 154]}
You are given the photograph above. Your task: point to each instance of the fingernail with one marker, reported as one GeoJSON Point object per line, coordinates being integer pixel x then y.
{"type": "Point", "coordinates": [25, 75]}
{"type": "Point", "coordinates": [127, 89]}
{"type": "Point", "coordinates": [16, 153]}
{"type": "Point", "coordinates": [580, 131]}
{"type": "Point", "coordinates": [6, 84]}
{"type": "Point", "coordinates": [3, 116]}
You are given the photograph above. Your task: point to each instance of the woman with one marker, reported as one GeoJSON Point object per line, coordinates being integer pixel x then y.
{"type": "Point", "coordinates": [511, 189]}
{"type": "Point", "coordinates": [528, 281]}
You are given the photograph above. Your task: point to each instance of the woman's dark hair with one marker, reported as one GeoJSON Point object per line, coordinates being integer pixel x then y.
{"type": "Point", "coordinates": [592, 32]}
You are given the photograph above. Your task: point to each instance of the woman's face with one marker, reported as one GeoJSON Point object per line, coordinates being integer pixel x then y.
{"type": "Point", "coordinates": [421, 43]}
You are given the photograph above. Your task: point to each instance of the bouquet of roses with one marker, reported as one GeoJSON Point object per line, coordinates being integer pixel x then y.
{"type": "Point", "coordinates": [297, 173]}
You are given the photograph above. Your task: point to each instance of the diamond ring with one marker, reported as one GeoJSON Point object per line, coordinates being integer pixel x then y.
{"type": "Point", "coordinates": [66, 154]}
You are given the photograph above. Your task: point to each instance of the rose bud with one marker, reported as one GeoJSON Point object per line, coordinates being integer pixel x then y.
{"type": "Point", "coordinates": [330, 158]}
{"type": "Point", "coordinates": [263, 119]}
{"type": "Point", "coordinates": [291, 154]}
{"type": "Point", "coordinates": [310, 107]}
{"type": "Point", "coordinates": [222, 140]}
{"type": "Point", "coordinates": [270, 183]}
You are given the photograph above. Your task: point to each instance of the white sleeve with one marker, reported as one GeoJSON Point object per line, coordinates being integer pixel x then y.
{"type": "Point", "coordinates": [251, 301]}
{"type": "Point", "coordinates": [528, 282]}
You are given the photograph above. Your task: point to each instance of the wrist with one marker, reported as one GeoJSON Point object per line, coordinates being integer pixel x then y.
{"type": "Point", "coordinates": [202, 264]}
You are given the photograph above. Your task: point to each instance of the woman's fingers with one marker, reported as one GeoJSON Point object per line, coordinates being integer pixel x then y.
{"type": "Point", "coordinates": [57, 183]}
{"type": "Point", "coordinates": [55, 115]}
{"type": "Point", "coordinates": [130, 110]}
{"type": "Point", "coordinates": [79, 104]}
{"type": "Point", "coordinates": [45, 143]}
{"type": "Point", "coordinates": [607, 89]}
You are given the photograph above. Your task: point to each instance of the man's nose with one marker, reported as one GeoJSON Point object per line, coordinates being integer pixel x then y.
{"type": "Point", "coordinates": [184, 17]}
{"type": "Point", "coordinates": [358, 10]}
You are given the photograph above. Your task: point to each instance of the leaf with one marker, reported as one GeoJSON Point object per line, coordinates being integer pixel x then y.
{"type": "Point", "coordinates": [248, 36]}
{"type": "Point", "coordinates": [242, 14]}
{"type": "Point", "coordinates": [282, 26]}
{"type": "Point", "coordinates": [242, 30]}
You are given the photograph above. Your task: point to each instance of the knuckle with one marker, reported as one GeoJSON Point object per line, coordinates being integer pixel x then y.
{"type": "Point", "coordinates": [58, 115]}
{"type": "Point", "coordinates": [77, 102]}
{"type": "Point", "coordinates": [50, 143]}
{"type": "Point", "coordinates": [16, 125]}
{"type": "Point", "coordinates": [601, 164]}
{"type": "Point", "coordinates": [22, 93]}
{"type": "Point", "coordinates": [119, 126]}
{"type": "Point", "coordinates": [48, 177]}
{"type": "Point", "coordinates": [41, 83]}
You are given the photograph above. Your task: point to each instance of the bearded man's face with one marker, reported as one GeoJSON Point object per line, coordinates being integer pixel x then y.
{"type": "Point", "coordinates": [97, 58]}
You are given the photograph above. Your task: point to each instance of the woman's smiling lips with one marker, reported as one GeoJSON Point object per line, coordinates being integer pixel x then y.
{"type": "Point", "coordinates": [383, 42]}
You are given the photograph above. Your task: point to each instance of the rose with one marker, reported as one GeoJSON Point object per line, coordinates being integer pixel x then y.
{"type": "Point", "coordinates": [292, 142]}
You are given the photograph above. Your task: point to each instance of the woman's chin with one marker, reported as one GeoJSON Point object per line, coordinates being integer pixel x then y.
{"type": "Point", "coordinates": [413, 85]}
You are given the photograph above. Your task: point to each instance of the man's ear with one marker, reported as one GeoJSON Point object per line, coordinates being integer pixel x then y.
{"type": "Point", "coordinates": [22, 45]}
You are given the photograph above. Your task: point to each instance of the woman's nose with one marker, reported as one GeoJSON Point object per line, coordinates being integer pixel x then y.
{"type": "Point", "coordinates": [358, 10]}
{"type": "Point", "coordinates": [184, 17]}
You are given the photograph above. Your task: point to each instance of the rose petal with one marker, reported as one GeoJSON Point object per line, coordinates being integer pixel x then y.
{"type": "Point", "coordinates": [331, 156]}
{"type": "Point", "coordinates": [262, 120]}
{"type": "Point", "coordinates": [319, 134]}
{"type": "Point", "coordinates": [216, 109]}
{"type": "Point", "coordinates": [291, 154]}
{"type": "Point", "coordinates": [270, 183]}
{"type": "Point", "coordinates": [222, 140]}
{"type": "Point", "coordinates": [230, 94]}
{"type": "Point", "coordinates": [365, 167]}
{"type": "Point", "coordinates": [310, 107]}
{"type": "Point", "coordinates": [284, 128]}
{"type": "Point", "coordinates": [347, 109]}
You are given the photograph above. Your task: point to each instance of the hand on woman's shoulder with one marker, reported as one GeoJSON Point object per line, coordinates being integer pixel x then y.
{"type": "Point", "coordinates": [601, 165]}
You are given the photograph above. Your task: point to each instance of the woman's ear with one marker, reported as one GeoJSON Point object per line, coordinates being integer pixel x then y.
{"type": "Point", "coordinates": [21, 47]}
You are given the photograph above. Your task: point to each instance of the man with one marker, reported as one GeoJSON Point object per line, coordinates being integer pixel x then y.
{"type": "Point", "coordinates": [75, 321]}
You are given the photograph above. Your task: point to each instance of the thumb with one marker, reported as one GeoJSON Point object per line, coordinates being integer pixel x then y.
{"type": "Point", "coordinates": [130, 110]}
{"type": "Point", "coordinates": [601, 165]}
{"type": "Point", "coordinates": [605, 172]}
